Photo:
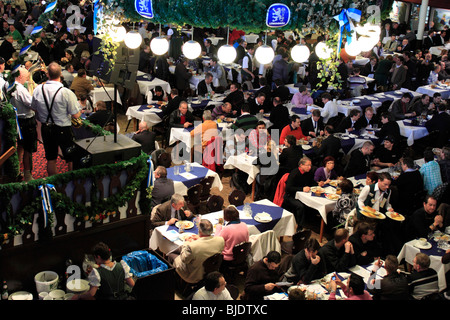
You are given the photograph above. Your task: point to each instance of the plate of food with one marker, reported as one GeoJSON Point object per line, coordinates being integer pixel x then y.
{"type": "Point", "coordinates": [317, 189]}
{"type": "Point", "coordinates": [334, 183]}
{"type": "Point", "coordinates": [306, 146]}
{"type": "Point", "coordinates": [395, 216]}
{"type": "Point", "coordinates": [372, 213]}
{"type": "Point", "coordinates": [21, 295]}
{"type": "Point", "coordinates": [331, 196]}
{"type": "Point", "coordinates": [356, 191]}
{"type": "Point", "coordinates": [188, 236]}
{"type": "Point", "coordinates": [441, 236]}
{"type": "Point", "coordinates": [185, 223]}
{"type": "Point", "coordinates": [263, 217]}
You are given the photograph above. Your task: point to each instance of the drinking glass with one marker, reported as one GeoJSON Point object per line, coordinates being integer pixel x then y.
{"type": "Point", "coordinates": [176, 170]}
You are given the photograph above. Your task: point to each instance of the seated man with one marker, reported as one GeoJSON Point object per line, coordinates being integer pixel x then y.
{"type": "Point", "coordinates": [389, 127]}
{"type": "Point", "coordinates": [393, 286]}
{"type": "Point", "coordinates": [290, 156]}
{"type": "Point", "coordinates": [222, 111]}
{"type": "Point", "coordinates": [306, 265]}
{"type": "Point", "coordinates": [145, 138]}
{"type": "Point", "coordinates": [203, 133]}
{"type": "Point", "coordinates": [235, 97]}
{"type": "Point", "coordinates": [329, 109]}
{"type": "Point", "coordinates": [293, 129]}
{"type": "Point", "coordinates": [261, 277]}
{"type": "Point", "coordinates": [246, 120]}
{"type": "Point", "coordinates": [281, 91]}
{"type": "Point", "coordinates": [430, 171]}
{"type": "Point", "coordinates": [364, 244]}
{"type": "Point", "coordinates": [366, 121]}
{"type": "Point", "coordinates": [257, 104]}
{"type": "Point", "coordinates": [214, 289]}
{"type": "Point", "coordinates": [302, 98]}
{"type": "Point", "coordinates": [400, 107]}
{"type": "Point", "coordinates": [386, 155]}
{"type": "Point", "coordinates": [163, 187]}
{"type": "Point", "coordinates": [313, 127]}
{"type": "Point", "coordinates": [330, 146]}
{"type": "Point", "coordinates": [348, 124]}
{"type": "Point", "coordinates": [423, 281]}
{"type": "Point", "coordinates": [156, 94]}
{"type": "Point", "coordinates": [359, 162]}
{"type": "Point", "coordinates": [258, 139]}
{"type": "Point", "coordinates": [206, 86]}
{"type": "Point", "coordinates": [101, 116]}
{"type": "Point", "coordinates": [425, 220]}
{"type": "Point", "coordinates": [81, 85]}
{"type": "Point", "coordinates": [356, 83]}
{"type": "Point", "coordinates": [338, 254]}
{"type": "Point", "coordinates": [421, 106]}
{"type": "Point", "coordinates": [181, 118]}
{"type": "Point", "coordinates": [354, 290]}
{"type": "Point", "coordinates": [171, 211]}
{"type": "Point", "coordinates": [189, 263]}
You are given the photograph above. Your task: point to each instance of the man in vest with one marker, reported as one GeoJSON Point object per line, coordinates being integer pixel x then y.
{"type": "Point", "coordinates": [376, 195]}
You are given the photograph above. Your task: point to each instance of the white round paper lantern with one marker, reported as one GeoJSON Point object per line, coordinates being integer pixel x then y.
{"type": "Point", "coordinates": [191, 49]}
{"type": "Point", "coordinates": [264, 54]}
{"type": "Point", "coordinates": [300, 53]}
{"type": "Point", "coordinates": [133, 39]}
{"type": "Point", "coordinates": [118, 33]}
{"type": "Point", "coordinates": [323, 51]}
{"type": "Point", "coordinates": [226, 53]}
{"type": "Point", "coordinates": [365, 43]}
{"type": "Point", "coordinates": [159, 46]}
{"type": "Point", "coordinates": [354, 48]}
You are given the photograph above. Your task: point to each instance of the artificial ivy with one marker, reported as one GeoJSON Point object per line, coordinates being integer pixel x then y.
{"type": "Point", "coordinates": [10, 167]}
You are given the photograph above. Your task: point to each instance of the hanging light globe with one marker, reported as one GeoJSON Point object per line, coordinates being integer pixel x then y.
{"type": "Point", "coordinates": [191, 49]}
{"type": "Point", "coordinates": [300, 53]}
{"type": "Point", "coordinates": [264, 54]}
{"type": "Point", "coordinates": [226, 53]}
{"type": "Point", "coordinates": [118, 33]}
{"type": "Point", "coordinates": [159, 46]}
{"type": "Point", "coordinates": [365, 43]}
{"type": "Point", "coordinates": [353, 49]}
{"type": "Point", "coordinates": [323, 51]}
{"type": "Point", "coordinates": [133, 39]}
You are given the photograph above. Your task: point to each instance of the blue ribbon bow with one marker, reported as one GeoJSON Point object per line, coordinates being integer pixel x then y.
{"type": "Point", "coordinates": [47, 207]}
{"type": "Point", "coordinates": [150, 179]}
{"type": "Point", "coordinates": [345, 22]}
{"type": "Point", "coordinates": [96, 9]}
{"type": "Point", "coordinates": [17, 122]}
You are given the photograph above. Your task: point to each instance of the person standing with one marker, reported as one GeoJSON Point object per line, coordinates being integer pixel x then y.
{"type": "Point", "coordinates": [21, 100]}
{"type": "Point", "coordinates": [55, 106]}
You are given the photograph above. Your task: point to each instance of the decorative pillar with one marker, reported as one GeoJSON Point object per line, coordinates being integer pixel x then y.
{"type": "Point", "coordinates": [422, 18]}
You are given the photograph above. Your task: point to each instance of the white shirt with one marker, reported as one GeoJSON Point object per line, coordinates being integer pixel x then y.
{"type": "Point", "coordinates": [94, 277]}
{"type": "Point", "coordinates": [203, 294]}
{"type": "Point", "coordinates": [329, 111]}
{"type": "Point", "coordinates": [21, 99]}
{"type": "Point", "coordinates": [378, 195]}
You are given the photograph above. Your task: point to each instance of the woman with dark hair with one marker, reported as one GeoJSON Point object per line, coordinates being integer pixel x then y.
{"type": "Point", "coordinates": [345, 204]}
{"type": "Point", "coordinates": [70, 58]}
{"type": "Point", "coordinates": [326, 173]}
{"type": "Point", "coordinates": [107, 282]}
{"type": "Point", "coordinates": [233, 231]}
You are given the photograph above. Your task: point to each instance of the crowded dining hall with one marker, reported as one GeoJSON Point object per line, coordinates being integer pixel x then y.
{"type": "Point", "coordinates": [225, 150]}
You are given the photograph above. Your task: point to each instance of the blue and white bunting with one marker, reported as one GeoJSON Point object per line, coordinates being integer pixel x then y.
{"type": "Point", "coordinates": [47, 207]}
{"type": "Point", "coordinates": [36, 29]}
{"type": "Point", "coordinates": [17, 123]}
{"type": "Point", "coordinates": [50, 7]}
{"type": "Point", "coordinates": [150, 178]}
{"type": "Point", "coordinates": [345, 22]}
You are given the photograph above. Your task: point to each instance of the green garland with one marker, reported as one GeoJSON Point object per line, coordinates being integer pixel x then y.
{"type": "Point", "coordinates": [98, 208]}
{"type": "Point", "coordinates": [11, 167]}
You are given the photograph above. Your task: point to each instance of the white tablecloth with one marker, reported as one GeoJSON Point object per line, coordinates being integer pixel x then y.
{"type": "Point", "coordinates": [408, 253]}
{"type": "Point", "coordinates": [442, 89]}
{"type": "Point", "coordinates": [323, 205]}
{"type": "Point", "coordinates": [251, 38]}
{"type": "Point", "coordinates": [244, 163]}
{"type": "Point", "coordinates": [146, 86]}
{"type": "Point", "coordinates": [150, 115]}
{"type": "Point", "coordinates": [99, 94]}
{"type": "Point", "coordinates": [284, 227]}
{"type": "Point", "coordinates": [411, 132]}
{"type": "Point", "coordinates": [215, 40]}
{"type": "Point", "coordinates": [436, 50]}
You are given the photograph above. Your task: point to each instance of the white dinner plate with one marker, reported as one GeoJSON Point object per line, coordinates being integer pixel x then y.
{"type": "Point", "coordinates": [263, 217]}
{"type": "Point", "coordinates": [419, 246]}
{"type": "Point", "coordinates": [185, 235]}
{"type": "Point", "coordinates": [306, 147]}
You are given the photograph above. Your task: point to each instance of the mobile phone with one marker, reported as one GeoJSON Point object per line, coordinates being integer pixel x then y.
{"type": "Point", "coordinates": [333, 278]}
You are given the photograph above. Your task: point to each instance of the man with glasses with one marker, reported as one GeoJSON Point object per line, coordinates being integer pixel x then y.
{"type": "Point", "coordinates": [214, 289]}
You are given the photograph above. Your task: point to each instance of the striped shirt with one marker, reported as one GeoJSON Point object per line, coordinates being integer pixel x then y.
{"type": "Point", "coordinates": [431, 175]}
{"type": "Point", "coordinates": [245, 121]}
{"type": "Point", "coordinates": [423, 283]}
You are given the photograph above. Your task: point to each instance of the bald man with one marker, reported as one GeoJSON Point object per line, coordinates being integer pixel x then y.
{"type": "Point", "coordinates": [145, 137]}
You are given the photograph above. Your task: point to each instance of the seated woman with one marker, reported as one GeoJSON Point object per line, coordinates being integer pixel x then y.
{"type": "Point", "coordinates": [233, 231]}
{"type": "Point", "coordinates": [345, 204]}
{"type": "Point", "coordinates": [326, 173]}
{"type": "Point", "coordinates": [70, 58]}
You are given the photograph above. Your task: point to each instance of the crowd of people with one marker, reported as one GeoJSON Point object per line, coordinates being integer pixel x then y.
{"type": "Point", "coordinates": [421, 195]}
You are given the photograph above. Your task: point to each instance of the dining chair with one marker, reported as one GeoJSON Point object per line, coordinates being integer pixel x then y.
{"type": "Point", "coordinates": [206, 183]}
{"type": "Point", "coordinates": [237, 197]}
{"type": "Point", "coordinates": [215, 203]}
{"type": "Point", "coordinates": [193, 198]}
{"type": "Point", "coordinates": [298, 242]}
{"type": "Point", "coordinates": [213, 263]}
{"type": "Point", "coordinates": [239, 263]}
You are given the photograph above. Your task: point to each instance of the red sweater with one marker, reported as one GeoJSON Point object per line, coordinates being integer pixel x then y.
{"type": "Point", "coordinates": [297, 133]}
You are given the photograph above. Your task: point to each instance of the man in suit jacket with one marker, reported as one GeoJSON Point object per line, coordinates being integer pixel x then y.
{"type": "Point", "coordinates": [189, 264]}
{"type": "Point", "coordinates": [171, 211]}
{"type": "Point", "coordinates": [182, 76]}
{"type": "Point", "coordinates": [330, 145]}
{"type": "Point", "coordinates": [257, 104]}
{"type": "Point", "coordinates": [439, 39]}
{"type": "Point", "coordinates": [398, 73]}
{"type": "Point", "coordinates": [366, 120]}
{"type": "Point", "coordinates": [359, 162]}
{"type": "Point", "coordinates": [440, 122]}
{"type": "Point", "coordinates": [290, 156]}
{"type": "Point", "coordinates": [427, 41]}
{"type": "Point", "coordinates": [206, 85]}
{"type": "Point", "coordinates": [235, 97]}
{"type": "Point", "coordinates": [313, 126]}
{"type": "Point", "coordinates": [173, 104]}
{"type": "Point", "coordinates": [267, 90]}
{"type": "Point", "coordinates": [208, 48]}
{"type": "Point", "coordinates": [391, 45]}
{"type": "Point", "coordinates": [400, 108]}
{"type": "Point", "coordinates": [348, 124]}
{"type": "Point", "coordinates": [181, 118]}
{"type": "Point", "coordinates": [145, 138]}
{"type": "Point", "coordinates": [163, 187]}
{"type": "Point", "coordinates": [279, 115]}
{"type": "Point", "coordinates": [389, 127]}
{"type": "Point", "coordinates": [281, 91]}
